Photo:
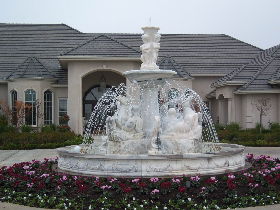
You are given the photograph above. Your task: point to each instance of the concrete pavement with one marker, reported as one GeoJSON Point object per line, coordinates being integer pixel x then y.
{"type": "Point", "coordinates": [9, 157]}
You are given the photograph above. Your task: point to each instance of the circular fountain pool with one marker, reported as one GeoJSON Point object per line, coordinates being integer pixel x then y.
{"type": "Point", "coordinates": [230, 158]}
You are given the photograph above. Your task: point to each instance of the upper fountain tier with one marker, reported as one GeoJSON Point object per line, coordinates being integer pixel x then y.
{"type": "Point", "coordinates": [149, 69]}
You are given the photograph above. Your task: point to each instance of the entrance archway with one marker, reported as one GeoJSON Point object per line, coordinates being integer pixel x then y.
{"type": "Point", "coordinates": [90, 99]}
{"type": "Point", "coordinates": [94, 85]}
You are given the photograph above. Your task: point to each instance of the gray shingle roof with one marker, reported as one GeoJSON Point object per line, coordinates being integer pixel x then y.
{"type": "Point", "coordinates": [168, 63]}
{"type": "Point", "coordinates": [30, 68]}
{"type": "Point", "coordinates": [104, 46]}
{"type": "Point", "coordinates": [196, 54]}
{"type": "Point", "coordinates": [257, 74]}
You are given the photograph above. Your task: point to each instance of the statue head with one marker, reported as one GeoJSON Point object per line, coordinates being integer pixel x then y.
{"type": "Point", "coordinates": [145, 38]}
{"type": "Point", "coordinates": [172, 113]}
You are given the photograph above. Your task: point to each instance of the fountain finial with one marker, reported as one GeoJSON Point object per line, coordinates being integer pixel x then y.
{"type": "Point", "coordinates": [150, 47]}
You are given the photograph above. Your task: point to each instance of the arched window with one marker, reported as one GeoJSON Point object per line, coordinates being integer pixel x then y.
{"type": "Point", "coordinates": [48, 107]}
{"type": "Point", "coordinates": [90, 99]}
{"type": "Point", "coordinates": [13, 106]}
{"type": "Point", "coordinates": [30, 98]}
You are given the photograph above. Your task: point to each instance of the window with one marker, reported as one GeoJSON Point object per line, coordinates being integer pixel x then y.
{"type": "Point", "coordinates": [48, 107]}
{"type": "Point", "coordinates": [91, 98]}
{"type": "Point", "coordinates": [13, 105]}
{"type": "Point", "coordinates": [30, 98]}
{"type": "Point", "coordinates": [62, 106]}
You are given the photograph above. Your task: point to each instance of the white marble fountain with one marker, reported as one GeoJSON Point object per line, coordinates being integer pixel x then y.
{"type": "Point", "coordinates": [154, 127]}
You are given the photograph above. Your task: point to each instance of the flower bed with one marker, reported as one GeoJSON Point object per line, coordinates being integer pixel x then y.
{"type": "Point", "coordinates": [36, 184]}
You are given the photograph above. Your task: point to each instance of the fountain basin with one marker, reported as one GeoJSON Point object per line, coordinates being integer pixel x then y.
{"type": "Point", "coordinates": [146, 75]}
{"type": "Point", "coordinates": [231, 158]}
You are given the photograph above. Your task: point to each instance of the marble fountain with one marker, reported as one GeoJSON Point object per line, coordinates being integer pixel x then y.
{"type": "Point", "coordinates": [152, 128]}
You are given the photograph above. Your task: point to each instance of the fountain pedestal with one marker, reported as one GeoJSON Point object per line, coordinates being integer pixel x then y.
{"type": "Point", "coordinates": [149, 81]}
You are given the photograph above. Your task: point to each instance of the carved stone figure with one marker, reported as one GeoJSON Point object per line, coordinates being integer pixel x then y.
{"type": "Point", "coordinates": [121, 127]}
{"type": "Point", "coordinates": [187, 127]}
{"type": "Point", "coordinates": [150, 48]}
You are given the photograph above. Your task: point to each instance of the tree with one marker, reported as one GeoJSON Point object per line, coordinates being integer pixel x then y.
{"type": "Point", "coordinates": [263, 105]}
{"type": "Point", "coordinates": [18, 115]}
{"type": "Point", "coordinates": [39, 113]}
{"type": "Point", "coordinates": [7, 111]}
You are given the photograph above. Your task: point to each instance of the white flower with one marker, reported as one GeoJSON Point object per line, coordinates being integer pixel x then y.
{"type": "Point", "coordinates": [128, 205]}
{"type": "Point", "coordinates": [141, 206]}
{"type": "Point", "coordinates": [189, 199]}
{"type": "Point", "coordinates": [134, 198]}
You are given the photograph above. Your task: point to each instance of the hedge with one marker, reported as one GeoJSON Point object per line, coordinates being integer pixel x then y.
{"type": "Point", "coordinates": [42, 140]}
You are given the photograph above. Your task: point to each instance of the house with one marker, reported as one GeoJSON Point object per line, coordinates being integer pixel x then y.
{"type": "Point", "coordinates": [68, 71]}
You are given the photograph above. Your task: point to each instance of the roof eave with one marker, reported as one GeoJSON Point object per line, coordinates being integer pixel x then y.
{"type": "Point", "coordinates": [255, 91]}
{"type": "Point", "coordinates": [274, 82]}
{"type": "Point", "coordinates": [236, 83]}
{"type": "Point", "coordinates": [31, 78]}
{"type": "Point", "coordinates": [65, 59]}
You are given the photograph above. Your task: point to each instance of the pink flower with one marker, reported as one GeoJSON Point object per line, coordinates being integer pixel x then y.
{"type": "Point", "coordinates": [195, 178]}
{"type": "Point", "coordinates": [135, 180]}
{"type": "Point", "coordinates": [64, 178]}
{"type": "Point", "coordinates": [25, 167]}
{"type": "Point", "coordinates": [30, 172]}
{"type": "Point", "coordinates": [104, 187]}
{"type": "Point", "coordinates": [58, 187]}
{"type": "Point", "coordinates": [176, 181]}
{"type": "Point", "coordinates": [30, 185]}
{"type": "Point", "coordinates": [154, 191]}
{"type": "Point", "coordinates": [154, 180]}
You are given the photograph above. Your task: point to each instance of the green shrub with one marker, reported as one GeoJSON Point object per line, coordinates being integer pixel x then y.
{"type": "Point", "coordinates": [48, 128]}
{"type": "Point", "coordinates": [233, 127]}
{"type": "Point", "coordinates": [3, 120]}
{"type": "Point", "coordinates": [9, 140]}
{"type": "Point", "coordinates": [219, 127]}
{"type": "Point", "coordinates": [63, 128]}
{"type": "Point", "coordinates": [257, 127]}
{"type": "Point", "coordinates": [7, 128]}
{"type": "Point", "coordinates": [26, 129]}
{"type": "Point", "coordinates": [274, 127]}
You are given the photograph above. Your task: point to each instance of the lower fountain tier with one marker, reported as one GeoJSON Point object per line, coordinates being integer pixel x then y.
{"type": "Point", "coordinates": [231, 158]}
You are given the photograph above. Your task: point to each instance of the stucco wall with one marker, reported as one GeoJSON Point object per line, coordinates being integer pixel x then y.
{"type": "Point", "coordinates": [112, 79]}
{"type": "Point", "coordinates": [201, 85]}
{"type": "Point", "coordinates": [77, 70]}
{"type": "Point", "coordinates": [272, 114]}
{"type": "Point", "coordinates": [3, 92]}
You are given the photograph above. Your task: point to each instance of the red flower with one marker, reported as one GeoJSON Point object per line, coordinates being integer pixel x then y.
{"type": "Point", "coordinates": [142, 184]}
{"type": "Point", "coordinates": [127, 190]}
{"type": "Point", "coordinates": [182, 189]}
{"type": "Point", "coordinates": [165, 184]}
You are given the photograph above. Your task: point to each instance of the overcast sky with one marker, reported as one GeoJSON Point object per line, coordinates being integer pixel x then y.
{"type": "Point", "coordinates": [256, 22]}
